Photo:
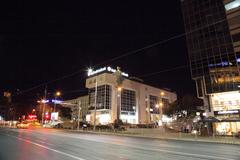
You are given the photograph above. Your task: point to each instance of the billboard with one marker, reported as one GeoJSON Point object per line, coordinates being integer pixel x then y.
{"type": "Point", "coordinates": [54, 116]}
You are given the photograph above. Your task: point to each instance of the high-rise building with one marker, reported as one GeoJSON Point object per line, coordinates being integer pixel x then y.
{"type": "Point", "coordinates": [213, 39]}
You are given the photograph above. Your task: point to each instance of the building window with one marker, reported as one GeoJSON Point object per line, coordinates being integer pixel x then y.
{"type": "Point", "coordinates": [128, 101]}
{"type": "Point", "coordinates": [104, 94]}
{"type": "Point", "coordinates": [153, 100]}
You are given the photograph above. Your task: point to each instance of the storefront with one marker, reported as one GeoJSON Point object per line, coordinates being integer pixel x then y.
{"type": "Point", "coordinates": [227, 128]}
{"type": "Point", "coordinates": [226, 108]}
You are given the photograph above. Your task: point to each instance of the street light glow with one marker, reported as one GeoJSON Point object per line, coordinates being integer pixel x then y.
{"type": "Point", "coordinates": [161, 104]}
{"type": "Point", "coordinates": [58, 93]}
{"type": "Point", "coordinates": [119, 89]}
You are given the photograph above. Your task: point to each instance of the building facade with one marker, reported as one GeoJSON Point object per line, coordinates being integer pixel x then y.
{"type": "Point", "coordinates": [133, 102]}
{"type": "Point", "coordinates": [79, 107]}
{"type": "Point", "coordinates": [213, 39]}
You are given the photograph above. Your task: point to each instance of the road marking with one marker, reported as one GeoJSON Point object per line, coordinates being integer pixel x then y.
{"type": "Point", "coordinates": [43, 142]}
{"type": "Point", "coordinates": [157, 150]}
{"type": "Point", "coordinates": [51, 149]}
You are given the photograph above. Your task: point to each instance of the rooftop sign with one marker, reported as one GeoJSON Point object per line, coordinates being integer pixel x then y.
{"type": "Point", "coordinates": [92, 72]}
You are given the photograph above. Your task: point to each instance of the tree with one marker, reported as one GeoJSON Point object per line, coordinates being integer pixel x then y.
{"type": "Point", "coordinates": [65, 112]}
{"type": "Point", "coordinates": [188, 103]}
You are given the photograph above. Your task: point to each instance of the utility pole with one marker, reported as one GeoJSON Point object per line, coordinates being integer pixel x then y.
{"type": "Point", "coordinates": [44, 103]}
{"type": "Point", "coordinates": [95, 106]}
{"type": "Point", "coordinates": [54, 107]}
{"type": "Point", "coordinates": [79, 108]}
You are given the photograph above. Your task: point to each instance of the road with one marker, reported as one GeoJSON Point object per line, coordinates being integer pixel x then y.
{"type": "Point", "coordinates": [50, 144]}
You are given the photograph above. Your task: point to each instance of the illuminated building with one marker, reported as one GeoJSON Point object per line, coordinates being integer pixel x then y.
{"type": "Point", "coordinates": [213, 40]}
{"type": "Point", "coordinates": [132, 101]}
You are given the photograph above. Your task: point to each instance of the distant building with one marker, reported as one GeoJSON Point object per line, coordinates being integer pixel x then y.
{"type": "Point", "coordinates": [129, 100]}
{"type": "Point", "coordinates": [213, 40]}
{"type": "Point", "coordinates": [74, 104]}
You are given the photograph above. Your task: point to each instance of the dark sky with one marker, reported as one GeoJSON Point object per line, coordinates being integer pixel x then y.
{"type": "Point", "coordinates": [41, 42]}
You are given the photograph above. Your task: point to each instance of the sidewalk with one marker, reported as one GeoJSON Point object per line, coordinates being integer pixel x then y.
{"type": "Point", "coordinates": [161, 134]}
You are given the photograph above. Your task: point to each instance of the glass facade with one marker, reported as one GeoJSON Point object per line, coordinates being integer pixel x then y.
{"type": "Point", "coordinates": [104, 94]}
{"type": "Point", "coordinates": [128, 102]}
{"type": "Point", "coordinates": [153, 102]}
{"type": "Point", "coordinates": [210, 46]}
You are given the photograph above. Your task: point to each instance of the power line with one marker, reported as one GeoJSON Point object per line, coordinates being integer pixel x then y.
{"type": "Point", "coordinates": [163, 71]}
{"type": "Point", "coordinates": [124, 55]}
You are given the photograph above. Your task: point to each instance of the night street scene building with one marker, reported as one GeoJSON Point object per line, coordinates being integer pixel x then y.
{"type": "Point", "coordinates": [79, 107]}
{"type": "Point", "coordinates": [132, 101]}
{"type": "Point", "coordinates": [213, 40]}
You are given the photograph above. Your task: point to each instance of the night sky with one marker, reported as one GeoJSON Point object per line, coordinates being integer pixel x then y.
{"type": "Point", "coordinates": [42, 42]}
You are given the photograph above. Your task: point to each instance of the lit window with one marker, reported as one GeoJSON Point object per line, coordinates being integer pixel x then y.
{"type": "Point", "coordinates": [232, 5]}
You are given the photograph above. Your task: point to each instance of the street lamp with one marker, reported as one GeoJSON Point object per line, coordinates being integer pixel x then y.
{"type": "Point", "coordinates": [43, 101]}
{"type": "Point", "coordinates": [162, 93]}
{"type": "Point", "coordinates": [57, 94]}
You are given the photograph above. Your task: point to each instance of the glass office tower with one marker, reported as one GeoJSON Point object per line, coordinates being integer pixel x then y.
{"type": "Point", "coordinates": [213, 39]}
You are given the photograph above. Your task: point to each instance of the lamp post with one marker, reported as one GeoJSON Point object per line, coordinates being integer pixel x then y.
{"type": "Point", "coordinates": [57, 94]}
{"type": "Point", "coordinates": [79, 108]}
{"type": "Point", "coordinates": [119, 81]}
{"type": "Point", "coordinates": [118, 102]}
{"type": "Point", "coordinates": [95, 105]}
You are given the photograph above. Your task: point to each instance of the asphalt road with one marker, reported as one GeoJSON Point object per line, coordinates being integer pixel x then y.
{"type": "Point", "coordinates": [49, 144]}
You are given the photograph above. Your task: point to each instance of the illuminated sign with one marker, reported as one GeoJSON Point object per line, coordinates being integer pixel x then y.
{"type": "Point", "coordinates": [227, 112]}
{"type": "Point", "coordinates": [32, 116]}
{"type": "Point", "coordinates": [54, 116]}
{"type": "Point", "coordinates": [220, 64]}
{"type": "Point", "coordinates": [57, 101]}
{"type": "Point", "coordinates": [45, 101]}
{"type": "Point", "coordinates": [92, 72]}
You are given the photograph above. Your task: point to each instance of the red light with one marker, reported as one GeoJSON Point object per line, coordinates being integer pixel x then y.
{"type": "Point", "coordinates": [32, 116]}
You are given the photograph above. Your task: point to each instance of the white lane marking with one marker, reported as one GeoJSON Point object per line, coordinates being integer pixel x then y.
{"type": "Point", "coordinates": [51, 149]}
{"type": "Point", "coordinates": [157, 150]}
{"type": "Point", "coordinates": [44, 142]}
{"type": "Point", "coordinates": [137, 147]}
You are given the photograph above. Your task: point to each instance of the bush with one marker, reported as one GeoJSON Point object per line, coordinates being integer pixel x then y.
{"type": "Point", "coordinates": [145, 125]}
{"type": "Point", "coordinates": [103, 127]}
{"type": "Point", "coordinates": [117, 124]}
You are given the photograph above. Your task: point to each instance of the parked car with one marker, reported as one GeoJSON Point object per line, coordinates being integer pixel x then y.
{"type": "Point", "coordinates": [23, 125]}
{"type": "Point", "coordinates": [53, 124]}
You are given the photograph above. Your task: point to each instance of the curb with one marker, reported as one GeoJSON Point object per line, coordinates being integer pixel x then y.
{"type": "Point", "coordinates": [156, 138]}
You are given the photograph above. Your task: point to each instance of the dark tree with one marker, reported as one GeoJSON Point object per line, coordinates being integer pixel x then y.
{"type": "Point", "coordinates": [65, 112]}
{"type": "Point", "coordinates": [187, 103]}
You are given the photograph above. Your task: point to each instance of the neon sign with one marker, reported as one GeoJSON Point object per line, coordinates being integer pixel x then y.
{"type": "Point", "coordinates": [56, 101]}
{"type": "Point", "coordinates": [228, 112]}
{"type": "Point", "coordinates": [92, 72]}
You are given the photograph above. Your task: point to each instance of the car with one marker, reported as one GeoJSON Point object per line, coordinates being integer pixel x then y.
{"type": "Point", "coordinates": [53, 124]}
{"type": "Point", "coordinates": [23, 125]}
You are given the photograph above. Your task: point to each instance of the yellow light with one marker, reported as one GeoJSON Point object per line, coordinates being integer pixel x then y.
{"type": "Point", "coordinates": [119, 89]}
{"type": "Point", "coordinates": [161, 104]}
{"type": "Point", "coordinates": [157, 106]}
{"type": "Point", "coordinates": [38, 101]}
{"type": "Point", "coordinates": [58, 93]}
{"type": "Point", "coordinates": [162, 93]}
